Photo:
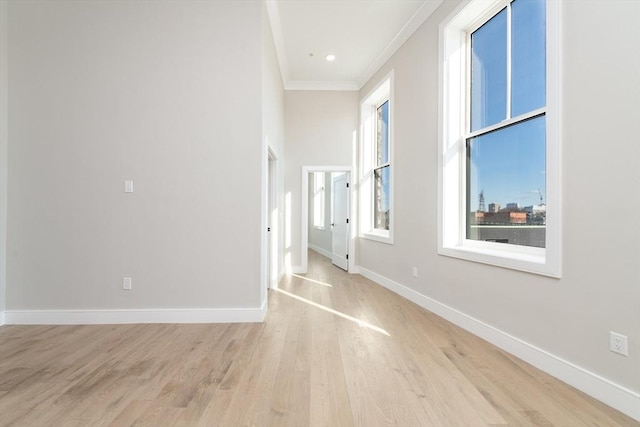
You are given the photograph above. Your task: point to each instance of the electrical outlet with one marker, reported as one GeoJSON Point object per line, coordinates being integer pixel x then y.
{"type": "Point", "coordinates": [128, 186]}
{"type": "Point", "coordinates": [126, 283]}
{"type": "Point", "coordinates": [414, 271]}
{"type": "Point", "coordinates": [618, 343]}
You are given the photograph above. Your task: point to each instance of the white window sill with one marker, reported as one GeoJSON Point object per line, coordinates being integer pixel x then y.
{"type": "Point", "coordinates": [378, 236]}
{"type": "Point", "coordinates": [317, 227]}
{"type": "Point", "coordinates": [522, 258]}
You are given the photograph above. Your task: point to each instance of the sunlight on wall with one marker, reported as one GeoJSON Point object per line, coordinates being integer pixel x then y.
{"type": "Point", "coordinates": [287, 220]}
{"type": "Point", "coordinates": [287, 232]}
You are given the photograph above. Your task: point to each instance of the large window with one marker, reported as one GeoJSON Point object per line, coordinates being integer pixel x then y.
{"type": "Point", "coordinates": [499, 173]}
{"type": "Point", "coordinates": [376, 178]}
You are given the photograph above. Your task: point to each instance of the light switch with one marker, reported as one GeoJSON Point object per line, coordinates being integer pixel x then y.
{"type": "Point", "coordinates": [128, 186]}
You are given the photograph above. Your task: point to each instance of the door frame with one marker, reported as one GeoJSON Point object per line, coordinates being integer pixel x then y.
{"type": "Point", "coordinates": [304, 232]}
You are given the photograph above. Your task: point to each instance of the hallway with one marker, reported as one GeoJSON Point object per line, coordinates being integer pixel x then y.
{"type": "Point", "coordinates": [394, 363]}
{"type": "Point", "coordinates": [335, 350]}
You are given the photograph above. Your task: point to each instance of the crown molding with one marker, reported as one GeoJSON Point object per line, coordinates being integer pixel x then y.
{"type": "Point", "coordinates": [321, 85]}
{"type": "Point", "coordinates": [278, 39]}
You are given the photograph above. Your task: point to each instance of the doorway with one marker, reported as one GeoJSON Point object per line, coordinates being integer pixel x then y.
{"type": "Point", "coordinates": [326, 214]}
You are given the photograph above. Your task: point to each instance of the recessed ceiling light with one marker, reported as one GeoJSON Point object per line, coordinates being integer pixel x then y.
{"type": "Point", "coordinates": [331, 57]}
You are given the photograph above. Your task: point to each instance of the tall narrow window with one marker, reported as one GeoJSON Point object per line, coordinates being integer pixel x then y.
{"type": "Point", "coordinates": [376, 157]}
{"type": "Point", "coordinates": [318, 200]}
{"type": "Point", "coordinates": [500, 181]}
{"type": "Point", "coordinates": [381, 169]}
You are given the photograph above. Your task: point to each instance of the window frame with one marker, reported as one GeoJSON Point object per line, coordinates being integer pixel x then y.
{"type": "Point", "coordinates": [380, 167]}
{"type": "Point", "coordinates": [454, 130]}
{"type": "Point", "coordinates": [319, 198]}
{"type": "Point", "coordinates": [381, 93]}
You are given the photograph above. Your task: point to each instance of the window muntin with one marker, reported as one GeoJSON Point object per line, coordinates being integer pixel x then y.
{"type": "Point", "coordinates": [505, 161]}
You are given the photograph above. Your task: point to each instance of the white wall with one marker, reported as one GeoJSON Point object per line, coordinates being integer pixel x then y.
{"type": "Point", "coordinates": [600, 287]}
{"type": "Point", "coordinates": [320, 130]}
{"type": "Point", "coordinates": [168, 94]}
{"type": "Point", "coordinates": [321, 240]}
{"type": "Point", "coordinates": [3, 156]}
{"type": "Point", "coordinates": [273, 133]}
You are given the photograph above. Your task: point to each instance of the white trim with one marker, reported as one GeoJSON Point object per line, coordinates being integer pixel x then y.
{"type": "Point", "coordinates": [507, 122]}
{"type": "Point", "coordinates": [295, 269]}
{"type": "Point", "coordinates": [304, 220]}
{"type": "Point", "coordinates": [382, 236]}
{"type": "Point", "coordinates": [618, 397]}
{"type": "Point", "coordinates": [277, 284]}
{"type": "Point", "coordinates": [345, 85]}
{"type": "Point", "coordinates": [97, 317]}
{"type": "Point", "coordinates": [273, 13]}
{"type": "Point", "coordinates": [2, 318]}
{"type": "Point", "coordinates": [509, 62]}
{"type": "Point", "coordinates": [320, 250]}
{"type": "Point", "coordinates": [264, 220]}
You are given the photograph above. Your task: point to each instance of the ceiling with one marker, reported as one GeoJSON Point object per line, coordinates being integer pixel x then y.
{"type": "Point", "coordinates": [362, 34]}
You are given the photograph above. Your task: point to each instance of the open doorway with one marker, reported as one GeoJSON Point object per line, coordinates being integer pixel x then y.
{"type": "Point", "coordinates": [326, 219]}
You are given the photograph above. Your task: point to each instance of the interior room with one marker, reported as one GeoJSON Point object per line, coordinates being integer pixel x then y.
{"type": "Point", "coordinates": [342, 213]}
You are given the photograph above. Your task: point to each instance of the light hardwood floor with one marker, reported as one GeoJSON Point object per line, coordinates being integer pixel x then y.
{"type": "Point", "coordinates": [335, 350]}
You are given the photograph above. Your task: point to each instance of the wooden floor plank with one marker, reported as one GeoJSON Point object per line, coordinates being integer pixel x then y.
{"type": "Point", "coordinates": [335, 350]}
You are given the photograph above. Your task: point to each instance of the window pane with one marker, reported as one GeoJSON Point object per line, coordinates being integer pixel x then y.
{"type": "Point", "coordinates": [382, 134]}
{"type": "Point", "coordinates": [527, 56]}
{"type": "Point", "coordinates": [318, 199]}
{"type": "Point", "coordinates": [489, 72]}
{"type": "Point", "coordinates": [506, 185]}
{"type": "Point", "coordinates": [381, 198]}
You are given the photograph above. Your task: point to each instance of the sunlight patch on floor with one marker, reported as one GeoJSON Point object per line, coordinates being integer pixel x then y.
{"type": "Point", "coordinates": [360, 323]}
{"type": "Point", "coordinates": [311, 280]}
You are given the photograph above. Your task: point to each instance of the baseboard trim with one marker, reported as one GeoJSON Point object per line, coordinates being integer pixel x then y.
{"type": "Point", "coordinates": [618, 397]}
{"type": "Point", "coordinates": [280, 276]}
{"type": "Point", "coordinates": [2, 318]}
{"type": "Point", "coordinates": [96, 317]}
{"type": "Point", "coordinates": [321, 251]}
{"type": "Point", "coordinates": [296, 269]}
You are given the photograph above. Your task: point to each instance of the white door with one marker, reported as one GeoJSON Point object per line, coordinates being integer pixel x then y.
{"type": "Point", "coordinates": [340, 219]}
